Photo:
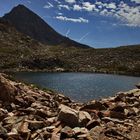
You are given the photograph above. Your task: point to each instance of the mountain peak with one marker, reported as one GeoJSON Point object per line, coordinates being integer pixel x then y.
{"type": "Point", "coordinates": [20, 6]}
{"type": "Point", "coordinates": [19, 11]}
{"type": "Point", "coordinates": [29, 23]}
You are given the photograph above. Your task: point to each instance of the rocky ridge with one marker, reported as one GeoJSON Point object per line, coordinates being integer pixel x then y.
{"type": "Point", "coordinates": [28, 113]}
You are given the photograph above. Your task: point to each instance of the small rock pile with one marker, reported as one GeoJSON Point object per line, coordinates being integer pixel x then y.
{"type": "Point", "coordinates": [28, 113]}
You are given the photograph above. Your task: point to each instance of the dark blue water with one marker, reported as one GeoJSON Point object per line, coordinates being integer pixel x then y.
{"type": "Point", "coordinates": [80, 86]}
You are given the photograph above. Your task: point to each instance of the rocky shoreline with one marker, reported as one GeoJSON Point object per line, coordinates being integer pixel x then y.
{"type": "Point", "coordinates": [28, 113]}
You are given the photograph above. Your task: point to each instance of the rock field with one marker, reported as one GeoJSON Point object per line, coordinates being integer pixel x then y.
{"type": "Point", "coordinates": [28, 113]}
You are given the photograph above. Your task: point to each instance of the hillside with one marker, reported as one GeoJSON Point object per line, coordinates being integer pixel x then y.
{"type": "Point", "coordinates": [29, 23]}
{"type": "Point", "coordinates": [20, 52]}
{"type": "Point", "coordinates": [14, 46]}
{"type": "Point", "coordinates": [114, 60]}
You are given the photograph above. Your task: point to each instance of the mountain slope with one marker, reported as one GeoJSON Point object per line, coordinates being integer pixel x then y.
{"type": "Point", "coordinates": [32, 25]}
{"type": "Point", "coordinates": [21, 52]}
{"type": "Point", "coordinates": [15, 46]}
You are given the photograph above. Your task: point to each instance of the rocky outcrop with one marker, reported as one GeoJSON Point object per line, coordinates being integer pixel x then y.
{"type": "Point", "coordinates": [28, 113]}
{"type": "Point", "coordinates": [7, 90]}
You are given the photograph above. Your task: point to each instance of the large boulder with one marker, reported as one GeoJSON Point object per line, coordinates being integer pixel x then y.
{"type": "Point", "coordinates": [7, 90]}
{"type": "Point", "coordinates": [68, 116]}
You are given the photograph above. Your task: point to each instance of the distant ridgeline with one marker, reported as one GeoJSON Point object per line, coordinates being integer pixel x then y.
{"type": "Point", "coordinates": [24, 46]}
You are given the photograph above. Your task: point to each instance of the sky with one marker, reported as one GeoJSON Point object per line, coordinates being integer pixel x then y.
{"type": "Point", "coordinates": [97, 23]}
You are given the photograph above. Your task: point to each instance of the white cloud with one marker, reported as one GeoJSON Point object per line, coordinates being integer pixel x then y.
{"type": "Point", "coordinates": [130, 15]}
{"type": "Point", "coordinates": [104, 12]}
{"type": "Point", "coordinates": [70, 1]}
{"type": "Point", "coordinates": [60, 14]}
{"type": "Point", "coordinates": [49, 5]}
{"type": "Point", "coordinates": [63, 6]}
{"type": "Point", "coordinates": [77, 7]}
{"type": "Point", "coordinates": [79, 20]}
{"type": "Point", "coordinates": [112, 6]}
{"type": "Point", "coordinates": [88, 6]}
{"type": "Point", "coordinates": [126, 13]}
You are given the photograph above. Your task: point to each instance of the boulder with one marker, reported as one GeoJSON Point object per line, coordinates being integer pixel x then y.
{"type": "Point", "coordinates": [137, 93]}
{"type": "Point", "coordinates": [84, 118]}
{"type": "Point", "coordinates": [131, 112]}
{"type": "Point", "coordinates": [41, 113]}
{"type": "Point", "coordinates": [34, 125]}
{"type": "Point", "coordinates": [29, 99]}
{"type": "Point", "coordinates": [92, 124]}
{"type": "Point", "coordinates": [138, 85]}
{"type": "Point", "coordinates": [117, 115]}
{"type": "Point", "coordinates": [68, 116]}
{"type": "Point", "coordinates": [55, 137]}
{"type": "Point", "coordinates": [118, 108]}
{"type": "Point", "coordinates": [67, 132]}
{"type": "Point", "coordinates": [7, 90]}
{"type": "Point", "coordinates": [94, 105]}
{"type": "Point", "coordinates": [80, 130]}
{"type": "Point", "coordinates": [3, 132]}
{"type": "Point", "coordinates": [23, 128]}
{"type": "Point", "coordinates": [95, 132]}
{"type": "Point", "coordinates": [3, 114]}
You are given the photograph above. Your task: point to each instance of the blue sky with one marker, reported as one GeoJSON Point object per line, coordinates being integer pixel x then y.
{"type": "Point", "coordinates": [98, 23]}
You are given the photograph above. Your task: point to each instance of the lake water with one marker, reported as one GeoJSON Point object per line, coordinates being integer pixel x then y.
{"type": "Point", "coordinates": [80, 86]}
